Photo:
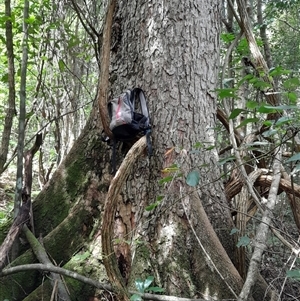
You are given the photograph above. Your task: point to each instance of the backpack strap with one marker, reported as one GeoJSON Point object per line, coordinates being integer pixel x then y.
{"type": "Point", "coordinates": [139, 93]}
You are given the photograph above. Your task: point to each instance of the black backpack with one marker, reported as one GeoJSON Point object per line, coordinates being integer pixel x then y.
{"type": "Point", "coordinates": [130, 119]}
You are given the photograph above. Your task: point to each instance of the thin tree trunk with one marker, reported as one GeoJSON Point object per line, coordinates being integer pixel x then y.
{"type": "Point", "coordinates": [11, 110]}
{"type": "Point", "coordinates": [262, 231]}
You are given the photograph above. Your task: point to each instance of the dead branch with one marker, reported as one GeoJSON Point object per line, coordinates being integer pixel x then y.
{"type": "Point", "coordinates": [99, 285]}
{"type": "Point", "coordinates": [24, 212]}
{"type": "Point", "coordinates": [42, 256]}
{"type": "Point", "coordinates": [15, 229]}
{"type": "Point", "coordinates": [262, 232]}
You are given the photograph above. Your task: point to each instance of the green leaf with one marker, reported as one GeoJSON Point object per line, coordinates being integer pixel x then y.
{"type": "Point", "coordinates": [283, 120]}
{"type": "Point", "coordinates": [235, 113]}
{"type": "Point", "coordinates": [296, 157]}
{"type": "Point", "coordinates": [269, 133]}
{"type": "Point", "coordinates": [225, 160]}
{"type": "Point", "coordinates": [252, 104]}
{"type": "Point", "coordinates": [193, 178]}
{"type": "Point", "coordinates": [139, 285]}
{"type": "Point", "coordinates": [156, 289]}
{"type": "Point", "coordinates": [234, 230]}
{"type": "Point", "coordinates": [292, 83]}
{"type": "Point", "coordinates": [292, 96]}
{"type": "Point", "coordinates": [246, 121]}
{"type": "Point", "coordinates": [61, 65]}
{"type": "Point", "coordinates": [268, 122]}
{"type": "Point", "coordinates": [165, 180]}
{"type": "Point", "coordinates": [152, 206]}
{"type": "Point", "coordinates": [282, 107]}
{"type": "Point", "coordinates": [293, 274]}
{"type": "Point", "coordinates": [81, 257]}
{"type": "Point", "coordinates": [160, 198]}
{"type": "Point", "coordinates": [243, 241]}
{"type": "Point", "coordinates": [227, 37]}
{"type": "Point", "coordinates": [278, 71]}
{"type": "Point", "coordinates": [148, 282]}
{"type": "Point", "coordinates": [136, 297]}
{"type": "Point", "coordinates": [266, 109]}
{"type": "Point", "coordinates": [226, 93]}
{"type": "Point", "coordinates": [29, 114]}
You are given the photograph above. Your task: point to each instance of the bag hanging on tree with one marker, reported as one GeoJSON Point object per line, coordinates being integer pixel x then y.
{"type": "Point", "coordinates": [130, 119]}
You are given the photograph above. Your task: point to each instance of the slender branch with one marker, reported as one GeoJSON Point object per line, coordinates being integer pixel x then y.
{"type": "Point", "coordinates": [262, 231]}
{"type": "Point", "coordinates": [104, 72]}
{"type": "Point", "coordinates": [99, 285]}
{"type": "Point", "coordinates": [11, 110]}
{"type": "Point", "coordinates": [43, 257]}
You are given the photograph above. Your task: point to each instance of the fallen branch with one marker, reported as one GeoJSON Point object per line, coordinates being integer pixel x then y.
{"type": "Point", "coordinates": [99, 285]}
{"type": "Point", "coordinates": [42, 256]}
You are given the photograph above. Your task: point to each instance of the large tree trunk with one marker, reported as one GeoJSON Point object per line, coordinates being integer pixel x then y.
{"type": "Point", "coordinates": [171, 51]}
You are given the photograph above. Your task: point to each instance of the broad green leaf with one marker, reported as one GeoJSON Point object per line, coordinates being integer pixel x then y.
{"type": "Point", "coordinates": [156, 289]}
{"type": "Point", "coordinates": [160, 197]}
{"type": "Point", "coordinates": [293, 274]}
{"type": "Point", "coordinates": [225, 160]}
{"type": "Point", "coordinates": [252, 104]}
{"type": "Point", "coordinates": [278, 71]}
{"type": "Point", "coordinates": [292, 96]}
{"type": "Point", "coordinates": [81, 257]}
{"type": "Point", "coordinates": [269, 133]}
{"type": "Point", "coordinates": [227, 37]}
{"type": "Point", "coordinates": [235, 113]}
{"type": "Point", "coordinates": [226, 93]}
{"type": "Point", "coordinates": [296, 157]}
{"type": "Point", "coordinates": [243, 241]}
{"type": "Point", "coordinates": [283, 120]}
{"type": "Point", "coordinates": [266, 109]}
{"type": "Point", "coordinates": [61, 65]}
{"type": "Point", "coordinates": [246, 121]}
{"type": "Point", "coordinates": [139, 285]}
{"type": "Point", "coordinates": [165, 180]}
{"type": "Point", "coordinates": [234, 230]}
{"type": "Point", "coordinates": [292, 83]}
{"type": "Point", "coordinates": [198, 145]}
{"type": "Point", "coordinates": [136, 297]}
{"type": "Point", "coordinates": [282, 107]}
{"type": "Point", "coordinates": [193, 178]}
{"type": "Point", "coordinates": [148, 281]}
{"type": "Point", "coordinates": [152, 206]}
{"type": "Point", "coordinates": [268, 122]}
